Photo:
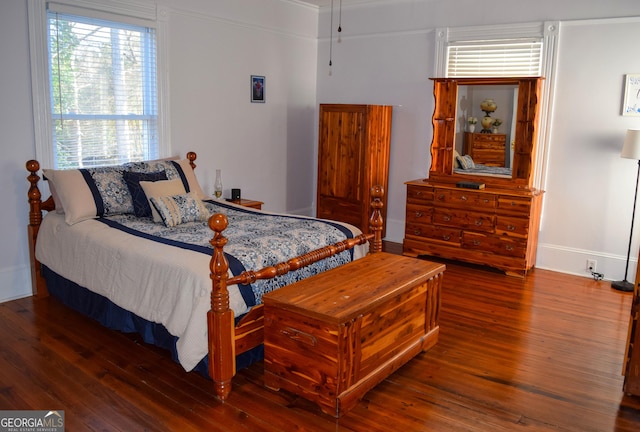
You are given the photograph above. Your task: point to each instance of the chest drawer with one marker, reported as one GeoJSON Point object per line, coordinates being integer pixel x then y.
{"type": "Point", "coordinates": [419, 195]}
{"type": "Point", "coordinates": [493, 244]}
{"type": "Point", "coordinates": [465, 198]}
{"type": "Point", "coordinates": [515, 204]}
{"type": "Point", "coordinates": [431, 232]}
{"type": "Point", "coordinates": [419, 214]}
{"type": "Point", "coordinates": [464, 219]}
{"type": "Point", "coordinates": [516, 227]}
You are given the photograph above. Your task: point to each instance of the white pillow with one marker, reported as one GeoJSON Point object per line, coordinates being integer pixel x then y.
{"type": "Point", "coordinates": [192, 180]}
{"type": "Point", "coordinates": [48, 175]}
{"type": "Point", "coordinates": [74, 195]}
{"type": "Point", "coordinates": [161, 188]}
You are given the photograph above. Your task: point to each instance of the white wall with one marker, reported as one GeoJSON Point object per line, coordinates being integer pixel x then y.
{"type": "Point", "coordinates": [214, 47]}
{"type": "Point", "coordinates": [386, 55]}
{"type": "Point", "coordinates": [16, 124]}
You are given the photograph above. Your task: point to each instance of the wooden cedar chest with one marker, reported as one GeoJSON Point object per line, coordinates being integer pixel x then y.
{"type": "Point", "coordinates": [332, 337]}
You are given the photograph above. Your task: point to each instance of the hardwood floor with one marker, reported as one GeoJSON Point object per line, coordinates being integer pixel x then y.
{"type": "Point", "coordinates": [539, 354]}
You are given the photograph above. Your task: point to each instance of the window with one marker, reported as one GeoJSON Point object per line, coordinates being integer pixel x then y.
{"type": "Point", "coordinates": [100, 104]}
{"type": "Point", "coordinates": [507, 58]}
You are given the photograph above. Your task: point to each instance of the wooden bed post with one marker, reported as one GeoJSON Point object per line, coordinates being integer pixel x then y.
{"type": "Point", "coordinates": [38, 284]}
{"type": "Point", "coordinates": [375, 221]}
{"type": "Point", "coordinates": [222, 357]}
{"type": "Point", "coordinates": [192, 156]}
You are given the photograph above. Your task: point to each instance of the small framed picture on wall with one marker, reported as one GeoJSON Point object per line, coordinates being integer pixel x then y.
{"type": "Point", "coordinates": [257, 88]}
{"type": "Point", "coordinates": [631, 106]}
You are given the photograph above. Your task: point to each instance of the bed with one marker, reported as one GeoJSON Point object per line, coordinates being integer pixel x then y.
{"type": "Point", "coordinates": [140, 247]}
{"type": "Point", "coordinates": [466, 165]}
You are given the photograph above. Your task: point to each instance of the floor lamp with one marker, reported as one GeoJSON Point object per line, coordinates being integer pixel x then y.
{"type": "Point", "coordinates": [630, 150]}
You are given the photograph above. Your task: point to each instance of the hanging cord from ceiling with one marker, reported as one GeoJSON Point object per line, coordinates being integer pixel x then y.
{"type": "Point", "coordinates": [331, 38]}
{"type": "Point", "coordinates": [340, 23]}
{"type": "Point", "coordinates": [331, 33]}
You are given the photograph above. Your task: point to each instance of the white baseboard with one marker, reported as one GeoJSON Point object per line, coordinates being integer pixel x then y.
{"type": "Point", "coordinates": [15, 283]}
{"type": "Point", "coordinates": [574, 261]}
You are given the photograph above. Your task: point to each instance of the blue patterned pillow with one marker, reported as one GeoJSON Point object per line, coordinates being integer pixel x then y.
{"type": "Point", "coordinates": [179, 209]}
{"type": "Point", "coordinates": [109, 189]}
{"type": "Point", "coordinates": [466, 162]}
{"type": "Point", "coordinates": [141, 206]}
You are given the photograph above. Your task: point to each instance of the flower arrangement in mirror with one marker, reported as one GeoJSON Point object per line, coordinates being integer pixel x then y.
{"type": "Point", "coordinates": [472, 123]}
{"type": "Point", "coordinates": [496, 124]}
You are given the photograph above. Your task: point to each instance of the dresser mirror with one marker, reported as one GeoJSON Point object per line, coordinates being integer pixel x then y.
{"type": "Point", "coordinates": [496, 154]}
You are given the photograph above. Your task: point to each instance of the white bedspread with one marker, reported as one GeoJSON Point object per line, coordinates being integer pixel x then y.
{"type": "Point", "coordinates": [158, 282]}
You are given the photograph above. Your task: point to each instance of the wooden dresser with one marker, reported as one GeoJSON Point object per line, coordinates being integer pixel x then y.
{"type": "Point", "coordinates": [493, 227]}
{"type": "Point", "coordinates": [333, 337]}
{"type": "Point", "coordinates": [353, 156]}
{"type": "Point", "coordinates": [485, 148]}
{"type": "Point", "coordinates": [631, 367]}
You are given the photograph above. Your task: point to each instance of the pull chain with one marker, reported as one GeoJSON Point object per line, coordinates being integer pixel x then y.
{"type": "Point", "coordinates": [331, 38]}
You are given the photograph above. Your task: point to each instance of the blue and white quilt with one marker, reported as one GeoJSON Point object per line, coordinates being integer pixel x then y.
{"type": "Point", "coordinates": [253, 242]}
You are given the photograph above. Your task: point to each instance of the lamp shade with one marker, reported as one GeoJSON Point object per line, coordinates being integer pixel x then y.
{"type": "Point", "coordinates": [631, 147]}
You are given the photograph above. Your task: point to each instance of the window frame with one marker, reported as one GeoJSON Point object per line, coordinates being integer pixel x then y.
{"type": "Point", "coordinates": [130, 12]}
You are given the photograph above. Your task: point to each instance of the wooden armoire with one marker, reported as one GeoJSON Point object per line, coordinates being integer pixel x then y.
{"type": "Point", "coordinates": [353, 156]}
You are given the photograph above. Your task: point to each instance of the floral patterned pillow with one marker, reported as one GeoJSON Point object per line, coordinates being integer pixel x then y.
{"type": "Point", "coordinates": [111, 189]}
{"type": "Point", "coordinates": [179, 209]}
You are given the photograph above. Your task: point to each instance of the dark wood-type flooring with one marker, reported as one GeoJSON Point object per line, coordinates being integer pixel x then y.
{"type": "Point", "coordinates": [542, 353]}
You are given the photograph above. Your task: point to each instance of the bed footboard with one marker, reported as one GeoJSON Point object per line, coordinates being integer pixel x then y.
{"type": "Point", "coordinates": [225, 341]}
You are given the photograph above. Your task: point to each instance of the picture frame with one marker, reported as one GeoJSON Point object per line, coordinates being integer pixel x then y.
{"type": "Point", "coordinates": [631, 105]}
{"type": "Point", "coordinates": [258, 86]}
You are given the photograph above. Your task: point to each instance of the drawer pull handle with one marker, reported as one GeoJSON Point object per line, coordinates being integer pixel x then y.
{"type": "Point", "coordinates": [441, 197]}
{"type": "Point", "coordinates": [513, 203]}
{"type": "Point", "coordinates": [299, 336]}
{"type": "Point", "coordinates": [446, 237]}
{"type": "Point", "coordinates": [418, 214]}
{"type": "Point", "coordinates": [511, 227]}
{"type": "Point", "coordinates": [476, 242]}
{"type": "Point", "coordinates": [509, 248]}
{"type": "Point", "coordinates": [486, 201]}
{"type": "Point", "coordinates": [419, 193]}
{"type": "Point", "coordinates": [446, 218]}
{"type": "Point", "coordinates": [417, 232]}
{"type": "Point", "coordinates": [463, 198]}
{"type": "Point", "coordinates": [478, 222]}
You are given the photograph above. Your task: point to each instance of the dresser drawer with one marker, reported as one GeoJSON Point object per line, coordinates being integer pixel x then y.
{"type": "Point", "coordinates": [494, 245]}
{"type": "Point", "coordinates": [419, 195]}
{"type": "Point", "coordinates": [491, 143]}
{"type": "Point", "coordinates": [436, 233]}
{"type": "Point", "coordinates": [419, 214]}
{"type": "Point", "coordinates": [489, 157]}
{"type": "Point", "coordinates": [465, 198]}
{"type": "Point", "coordinates": [516, 204]}
{"type": "Point", "coordinates": [516, 227]}
{"type": "Point", "coordinates": [464, 219]}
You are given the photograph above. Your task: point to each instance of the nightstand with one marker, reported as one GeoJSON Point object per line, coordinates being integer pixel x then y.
{"type": "Point", "coordinates": [248, 203]}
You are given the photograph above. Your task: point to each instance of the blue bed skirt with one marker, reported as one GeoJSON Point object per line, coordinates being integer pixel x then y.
{"type": "Point", "coordinates": [114, 317]}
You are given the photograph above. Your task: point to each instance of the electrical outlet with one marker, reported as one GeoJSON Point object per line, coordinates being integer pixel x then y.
{"type": "Point", "coordinates": [592, 265]}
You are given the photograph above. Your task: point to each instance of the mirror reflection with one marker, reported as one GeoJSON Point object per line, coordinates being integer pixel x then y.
{"type": "Point", "coordinates": [485, 129]}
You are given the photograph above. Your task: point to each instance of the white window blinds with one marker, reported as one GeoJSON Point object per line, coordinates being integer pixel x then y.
{"type": "Point", "coordinates": [494, 58]}
{"type": "Point", "coordinates": [103, 86]}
